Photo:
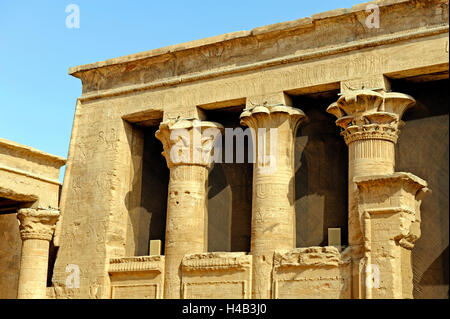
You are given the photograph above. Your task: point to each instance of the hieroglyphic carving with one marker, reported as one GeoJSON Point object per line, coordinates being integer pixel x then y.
{"type": "Point", "coordinates": [313, 272]}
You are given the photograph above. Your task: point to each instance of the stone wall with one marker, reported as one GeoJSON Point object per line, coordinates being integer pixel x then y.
{"type": "Point", "coordinates": [155, 180]}
{"type": "Point", "coordinates": [10, 249]}
{"type": "Point", "coordinates": [312, 273]}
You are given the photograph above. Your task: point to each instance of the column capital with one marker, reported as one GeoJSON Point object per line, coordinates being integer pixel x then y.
{"type": "Point", "coordinates": [366, 114]}
{"type": "Point", "coordinates": [273, 128]}
{"type": "Point", "coordinates": [269, 116]}
{"type": "Point", "coordinates": [188, 141]}
{"type": "Point", "coordinates": [37, 223]}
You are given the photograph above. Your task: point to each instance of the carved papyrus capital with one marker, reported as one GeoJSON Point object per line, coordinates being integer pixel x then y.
{"type": "Point", "coordinates": [37, 223]}
{"type": "Point", "coordinates": [272, 116]}
{"type": "Point", "coordinates": [188, 141]}
{"type": "Point", "coordinates": [366, 114]}
{"type": "Point", "coordinates": [273, 129]}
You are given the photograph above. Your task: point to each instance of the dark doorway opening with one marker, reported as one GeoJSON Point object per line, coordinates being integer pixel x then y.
{"type": "Point", "coordinates": [321, 166]}
{"type": "Point", "coordinates": [230, 192]}
{"type": "Point", "coordinates": [155, 182]}
{"type": "Point", "coordinates": [423, 150]}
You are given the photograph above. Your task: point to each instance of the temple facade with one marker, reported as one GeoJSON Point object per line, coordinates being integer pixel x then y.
{"type": "Point", "coordinates": [29, 200]}
{"type": "Point", "coordinates": [355, 206]}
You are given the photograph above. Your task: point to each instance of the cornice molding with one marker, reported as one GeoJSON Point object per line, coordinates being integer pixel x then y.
{"type": "Point", "coordinates": [291, 58]}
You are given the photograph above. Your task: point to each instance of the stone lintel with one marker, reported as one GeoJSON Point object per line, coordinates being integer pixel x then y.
{"type": "Point", "coordinates": [270, 104]}
{"type": "Point", "coordinates": [276, 98]}
{"type": "Point", "coordinates": [17, 196]}
{"type": "Point", "coordinates": [372, 82]}
{"type": "Point", "coordinates": [184, 112]}
{"type": "Point", "coordinates": [148, 117]}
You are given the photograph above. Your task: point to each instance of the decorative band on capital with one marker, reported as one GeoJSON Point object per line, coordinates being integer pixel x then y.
{"type": "Point", "coordinates": [37, 223]}
{"type": "Point", "coordinates": [370, 132]}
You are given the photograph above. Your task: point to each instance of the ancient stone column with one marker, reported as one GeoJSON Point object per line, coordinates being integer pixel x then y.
{"type": "Point", "coordinates": [369, 122]}
{"type": "Point", "coordinates": [187, 149]}
{"type": "Point", "coordinates": [36, 230]}
{"type": "Point", "coordinates": [273, 211]}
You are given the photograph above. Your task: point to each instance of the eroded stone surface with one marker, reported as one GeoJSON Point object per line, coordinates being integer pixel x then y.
{"type": "Point", "coordinates": [171, 87]}
{"type": "Point", "coordinates": [217, 275]}
{"type": "Point", "coordinates": [261, 73]}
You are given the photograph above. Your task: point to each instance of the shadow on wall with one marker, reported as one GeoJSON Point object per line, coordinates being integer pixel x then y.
{"type": "Point", "coordinates": [321, 164]}
{"type": "Point", "coordinates": [155, 183]}
{"type": "Point", "coordinates": [320, 184]}
{"type": "Point", "coordinates": [229, 193]}
{"type": "Point", "coordinates": [230, 202]}
{"type": "Point", "coordinates": [429, 282]}
{"type": "Point", "coordinates": [149, 211]}
{"type": "Point", "coordinates": [423, 150]}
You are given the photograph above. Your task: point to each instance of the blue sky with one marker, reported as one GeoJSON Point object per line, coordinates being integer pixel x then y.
{"type": "Point", "coordinates": [37, 96]}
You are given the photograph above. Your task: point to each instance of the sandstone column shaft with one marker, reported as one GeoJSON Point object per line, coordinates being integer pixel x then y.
{"type": "Point", "coordinates": [186, 221]}
{"type": "Point", "coordinates": [188, 157]}
{"type": "Point", "coordinates": [273, 211]}
{"type": "Point", "coordinates": [36, 230]}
